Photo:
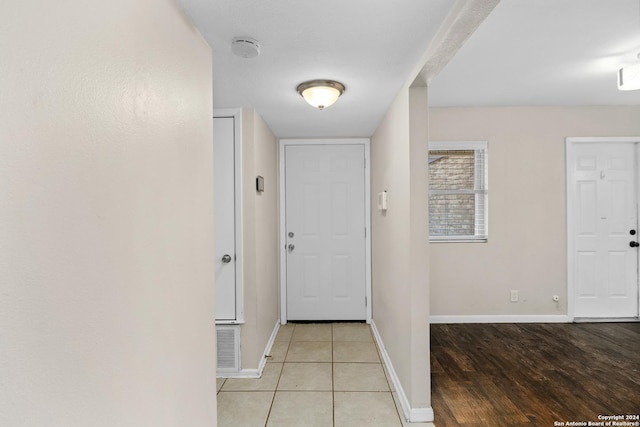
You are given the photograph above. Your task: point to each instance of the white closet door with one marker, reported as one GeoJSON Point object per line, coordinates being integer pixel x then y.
{"type": "Point", "coordinates": [224, 217]}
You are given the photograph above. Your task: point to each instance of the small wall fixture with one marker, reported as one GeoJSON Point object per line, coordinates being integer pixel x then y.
{"type": "Point", "coordinates": [321, 93]}
{"type": "Point", "coordinates": [629, 78]}
{"type": "Point", "coordinates": [260, 184]}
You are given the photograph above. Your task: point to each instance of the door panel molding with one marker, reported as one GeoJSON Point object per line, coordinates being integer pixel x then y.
{"type": "Point", "coordinates": [365, 142]}
{"type": "Point", "coordinates": [571, 144]}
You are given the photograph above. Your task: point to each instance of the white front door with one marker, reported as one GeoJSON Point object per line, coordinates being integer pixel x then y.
{"type": "Point", "coordinates": [325, 232]}
{"type": "Point", "coordinates": [224, 217]}
{"type": "Point", "coordinates": [604, 220]}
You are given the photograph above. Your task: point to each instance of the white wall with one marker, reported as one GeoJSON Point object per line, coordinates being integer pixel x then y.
{"type": "Point", "coordinates": [106, 216]}
{"type": "Point", "coordinates": [400, 278]}
{"type": "Point", "coordinates": [260, 262]}
{"type": "Point", "coordinates": [526, 249]}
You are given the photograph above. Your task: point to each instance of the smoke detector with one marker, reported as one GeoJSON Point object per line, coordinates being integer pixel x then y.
{"type": "Point", "coordinates": [245, 47]}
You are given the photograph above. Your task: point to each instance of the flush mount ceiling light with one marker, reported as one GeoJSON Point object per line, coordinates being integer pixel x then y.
{"type": "Point", "coordinates": [321, 93]}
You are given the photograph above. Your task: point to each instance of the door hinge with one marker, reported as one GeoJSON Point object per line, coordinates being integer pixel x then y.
{"type": "Point", "coordinates": [365, 301]}
{"type": "Point", "coordinates": [365, 232]}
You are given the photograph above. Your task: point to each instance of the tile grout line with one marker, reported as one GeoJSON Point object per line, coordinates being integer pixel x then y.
{"type": "Point", "coordinates": [273, 399]}
{"type": "Point", "coordinates": [221, 386]}
{"type": "Point", "coordinates": [333, 386]}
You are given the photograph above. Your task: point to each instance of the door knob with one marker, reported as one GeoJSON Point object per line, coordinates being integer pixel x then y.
{"type": "Point", "coordinates": [291, 247]}
{"type": "Point", "coordinates": [632, 232]}
{"type": "Point", "coordinates": [226, 259]}
{"type": "Point", "coordinates": [634, 244]}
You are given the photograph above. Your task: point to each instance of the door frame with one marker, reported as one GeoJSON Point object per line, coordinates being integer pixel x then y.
{"type": "Point", "coordinates": [570, 144]}
{"type": "Point", "coordinates": [283, 143]}
{"type": "Point", "coordinates": [236, 113]}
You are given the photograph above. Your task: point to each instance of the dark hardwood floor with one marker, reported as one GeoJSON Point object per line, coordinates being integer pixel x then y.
{"type": "Point", "coordinates": [502, 375]}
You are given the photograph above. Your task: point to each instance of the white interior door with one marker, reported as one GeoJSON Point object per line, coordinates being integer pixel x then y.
{"type": "Point", "coordinates": [224, 217]}
{"type": "Point", "coordinates": [325, 232]}
{"type": "Point", "coordinates": [605, 226]}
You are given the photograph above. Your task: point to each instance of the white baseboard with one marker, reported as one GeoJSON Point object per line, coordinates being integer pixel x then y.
{"type": "Point", "coordinates": [256, 373]}
{"type": "Point", "coordinates": [506, 318]}
{"type": "Point", "coordinates": [605, 319]}
{"type": "Point", "coordinates": [267, 349]}
{"type": "Point", "coordinates": [414, 415]}
{"type": "Point", "coordinates": [421, 415]}
{"type": "Point", "coordinates": [243, 373]}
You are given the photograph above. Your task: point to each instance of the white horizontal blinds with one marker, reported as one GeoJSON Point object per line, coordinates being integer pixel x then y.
{"type": "Point", "coordinates": [457, 192]}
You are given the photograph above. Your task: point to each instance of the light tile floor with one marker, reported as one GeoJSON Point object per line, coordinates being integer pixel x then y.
{"type": "Point", "coordinates": [324, 375]}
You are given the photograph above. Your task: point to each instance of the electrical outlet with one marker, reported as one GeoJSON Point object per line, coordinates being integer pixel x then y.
{"type": "Point", "coordinates": [514, 295]}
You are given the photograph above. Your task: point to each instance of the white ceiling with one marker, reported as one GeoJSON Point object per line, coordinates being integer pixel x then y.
{"type": "Point", "coordinates": [542, 52]}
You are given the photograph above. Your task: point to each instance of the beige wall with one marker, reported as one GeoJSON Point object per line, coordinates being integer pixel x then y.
{"type": "Point", "coordinates": [260, 239]}
{"type": "Point", "coordinates": [419, 262]}
{"type": "Point", "coordinates": [527, 232]}
{"type": "Point", "coordinates": [106, 216]}
{"type": "Point", "coordinates": [400, 279]}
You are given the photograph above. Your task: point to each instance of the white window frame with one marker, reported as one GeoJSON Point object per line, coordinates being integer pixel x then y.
{"type": "Point", "coordinates": [467, 145]}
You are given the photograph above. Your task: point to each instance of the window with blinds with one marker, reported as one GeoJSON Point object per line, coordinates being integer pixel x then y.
{"type": "Point", "coordinates": [458, 191]}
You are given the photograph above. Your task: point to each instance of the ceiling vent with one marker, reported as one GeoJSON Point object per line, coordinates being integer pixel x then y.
{"type": "Point", "coordinates": [245, 47]}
